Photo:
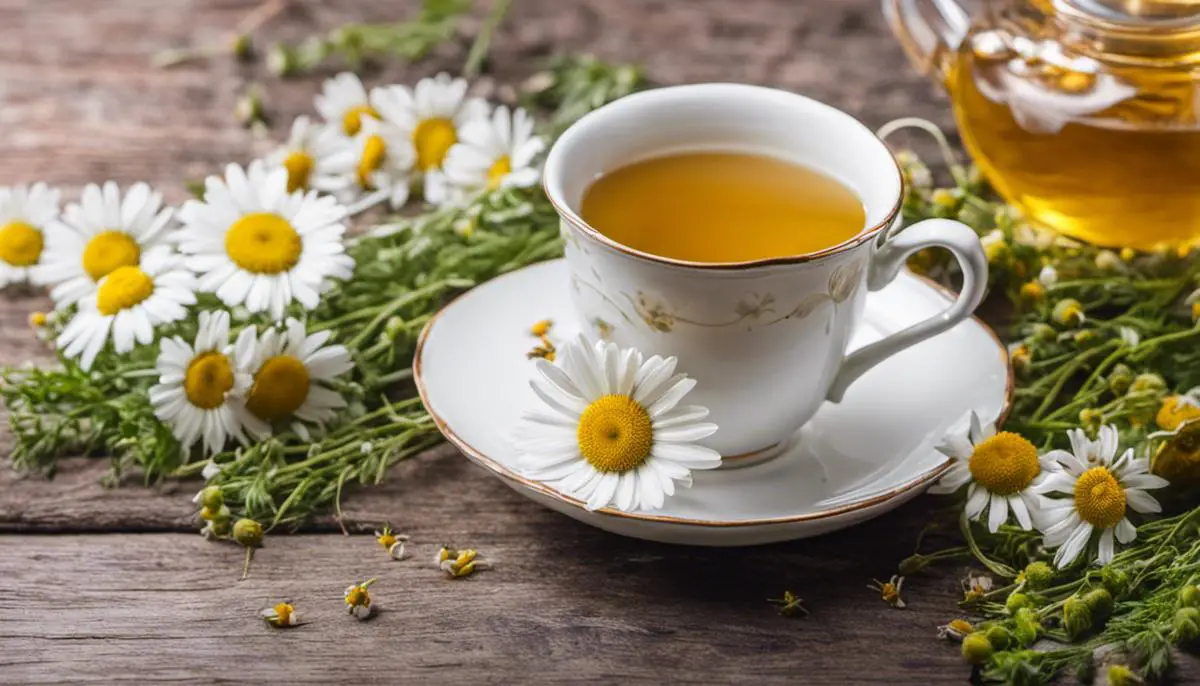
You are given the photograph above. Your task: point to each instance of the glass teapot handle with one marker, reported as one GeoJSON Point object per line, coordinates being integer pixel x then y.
{"type": "Point", "coordinates": [930, 31]}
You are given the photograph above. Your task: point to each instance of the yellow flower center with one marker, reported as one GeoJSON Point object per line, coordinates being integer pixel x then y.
{"type": "Point", "coordinates": [280, 388]}
{"type": "Point", "coordinates": [108, 251]}
{"type": "Point", "coordinates": [299, 165]}
{"type": "Point", "coordinates": [209, 377]}
{"type": "Point", "coordinates": [283, 614]}
{"type": "Point", "coordinates": [387, 540]}
{"type": "Point", "coordinates": [496, 173]}
{"type": "Point", "coordinates": [20, 244]}
{"type": "Point", "coordinates": [1174, 412]}
{"type": "Point", "coordinates": [374, 152]}
{"type": "Point", "coordinates": [1099, 499]}
{"type": "Point", "coordinates": [615, 434]}
{"type": "Point", "coordinates": [263, 243]}
{"type": "Point", "coordinates": [432, 139]}
{"type": "Point", "coordinates": [358, 596]}
{"type": "Point", "coordinates": [122, 289]}
{"type": "Point", "coordinates": [1004, 464]}
{"type": "Point", "coordinates": [352, 120]}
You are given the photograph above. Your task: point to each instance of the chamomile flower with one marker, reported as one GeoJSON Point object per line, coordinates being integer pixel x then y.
{"type": "Point", "coordinates": [432, 115]}
{"type": "Point", "coordinates": [496, 152]}
{"type": "Point", "coordinates": [1101, 490]}
{"type": "Point", "coordinates": [382, 168]}
{"type": "Point", "coordinates": [281, 616]}
{"type": "Point", "coordinates": [98, 235]}
{"type": "Point", "coordinates": [201, 385]}
{"type": "Point", "coordinates": [25, 211]}
{"type": "Point", "coordinates": [291, 372]}
{"type": "Point", "coordinates": [1177, 410]}
{"type": "Point", "coordinates": [999, 469]}
{"type": "Point", "coordinates": [256, 245]}
{"type": "Point", "coordinates": [129, 302]}
{"type": "Point", "coordinates": [358, 599]}
{"type": "Point", "coordinates": [315, 156]}
{"type": "Point", "coordinates": [609, 429]}
{"type": "Point", "coordinates": [343, 103]}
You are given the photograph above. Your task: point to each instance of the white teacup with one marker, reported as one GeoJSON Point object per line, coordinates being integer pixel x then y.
{"type": "Point", "coordinates": [767, 339]}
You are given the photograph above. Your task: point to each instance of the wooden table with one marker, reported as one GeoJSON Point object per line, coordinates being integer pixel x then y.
{"type": "Point", "coordinates": [114, 584]}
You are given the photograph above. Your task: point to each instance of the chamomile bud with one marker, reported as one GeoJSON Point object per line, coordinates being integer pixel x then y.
{"type": "Point", "coordinates": [1048, 276]}
{"type": "Point", "coordinates": [976, 648]}
{"type": "Point", "coordinates": [1044, 332]}
{"type": "Point", "coordinates": [1148, 382]}
{"type": "Point", "coordinates": [1100, 602]}
{"type": "Point", "coordinates": [1120, 675]}
{"type": "Point", "coordinates": [1026, 626]}
{"type": "Point", "coordinates": [209, 497]}
{"type": "Point", "coordinates": [213, 514]}
{"type": "Point", "coordinates": [38, 319]}
{"type": "Point", "coordinates": [1091, 418]}
{"type": "Point", "coordinates": [1016, 601]}
{"type": "Point", "coordinates": [242, 47]}
{"type": "Point", "coordinates": [1120, 379]}
{"type": "Point", "coordinates": [281, 60]}
{"type": "Point", "coordinates": [1032, 291]}
{"type": "Point", "coordinates": [249, 107]}
{"type": "Point", "coordinates": [1128, 254]}
{"type": "Point", "coordinates": [944, 198]}
{"type": "Point", "coordinates": [1068, 312]}
{"type": "Point", "coordinates": [1077, 616]}
{"type": "Point", "coordinates": [1185, 627]}
{"type": "Point", "coordinates": [249, 534]}
{"type": "Point", "coordinates": [1189, 596]}
{"type": "Point", "coordinates": [394, 327]}
{"type": "Point", "coordinates": [1115, 580]}
{"type": "Point", "coordinates": [1038, 575]}
{"type": "Point", "coordinates": [1107, 260]}
{"type": "Point", "coordinates": [995, 247]}
{"type": "Point", "coordinates": [999, 637]}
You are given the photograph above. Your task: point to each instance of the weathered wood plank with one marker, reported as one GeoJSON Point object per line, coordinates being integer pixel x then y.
{"type": "Point", "coordinates": [564, 603]}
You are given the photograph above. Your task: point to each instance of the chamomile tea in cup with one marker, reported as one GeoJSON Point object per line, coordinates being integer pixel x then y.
{"type": "Point", "coordinates": [739, 229]}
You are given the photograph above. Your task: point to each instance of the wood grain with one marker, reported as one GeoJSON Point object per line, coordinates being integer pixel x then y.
{"type": "Point", "coordinates": [125, 591]}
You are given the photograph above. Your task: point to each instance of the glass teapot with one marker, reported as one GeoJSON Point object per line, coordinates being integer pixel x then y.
{"type": "Point", "coordinates": [1085, 113]}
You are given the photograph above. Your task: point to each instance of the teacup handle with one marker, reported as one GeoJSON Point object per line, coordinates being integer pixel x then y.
{"type": "Point", "coordinates": [959, 239]}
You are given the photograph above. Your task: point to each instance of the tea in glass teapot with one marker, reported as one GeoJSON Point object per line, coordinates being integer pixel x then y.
{"type": "Point", "coordinates": [1085, 113]}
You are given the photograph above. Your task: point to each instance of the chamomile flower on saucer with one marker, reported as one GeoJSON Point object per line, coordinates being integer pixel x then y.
{"type": "Point", "coordinates": [382, 167]}
{"type": "Point", "coordinates": [98, 235]}
{"type": "Point", "coordinates": [128, 304]}
{"type": "Point", "coordinates": [1101, 489]}
{"type": "Point", "coordinates": [25, 211]}
{"type": "Point", "coordinates": [609, 429]}
{"type": "Point", "coordinates": [254, 244]}
{"type": "Point", "coordinates": [315, 156]}
{"type": "Point", "coordinates": [432, 115]}
{"type": "Point", "coordinates": [291, 372]}
{"type": "Point", "coordinates": [1000, 470]}
{"type": "Point", "coordinates": [495, 152]}
{"type": "Point", "coordinates": [201, 384]}
{"type": "Point", "coordinates": [343, 103]}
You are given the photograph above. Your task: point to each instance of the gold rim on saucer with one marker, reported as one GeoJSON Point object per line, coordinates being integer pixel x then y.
{"type": "Point", "coordinates": [504, 472]}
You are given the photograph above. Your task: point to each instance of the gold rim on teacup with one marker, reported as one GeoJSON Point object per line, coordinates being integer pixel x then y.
{"type": "Point", "coordinates": [555, 195]}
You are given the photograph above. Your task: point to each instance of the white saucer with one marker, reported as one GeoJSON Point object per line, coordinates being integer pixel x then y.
{"type": "Point", "coordinates": [851, 462]}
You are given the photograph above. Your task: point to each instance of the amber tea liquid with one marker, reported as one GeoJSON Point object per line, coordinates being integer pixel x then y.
{"type": "Point", "coordinates": [722, 207]}
{"type": "Point", "coordinates": [1125, 176]}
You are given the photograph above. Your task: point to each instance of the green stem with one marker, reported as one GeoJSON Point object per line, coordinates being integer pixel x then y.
{"type": "Point", "coordinates": [483, 41]}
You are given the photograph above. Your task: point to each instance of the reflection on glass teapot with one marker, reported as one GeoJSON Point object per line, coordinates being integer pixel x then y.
{"type": "Point", "coordinates": [1086, 113]}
